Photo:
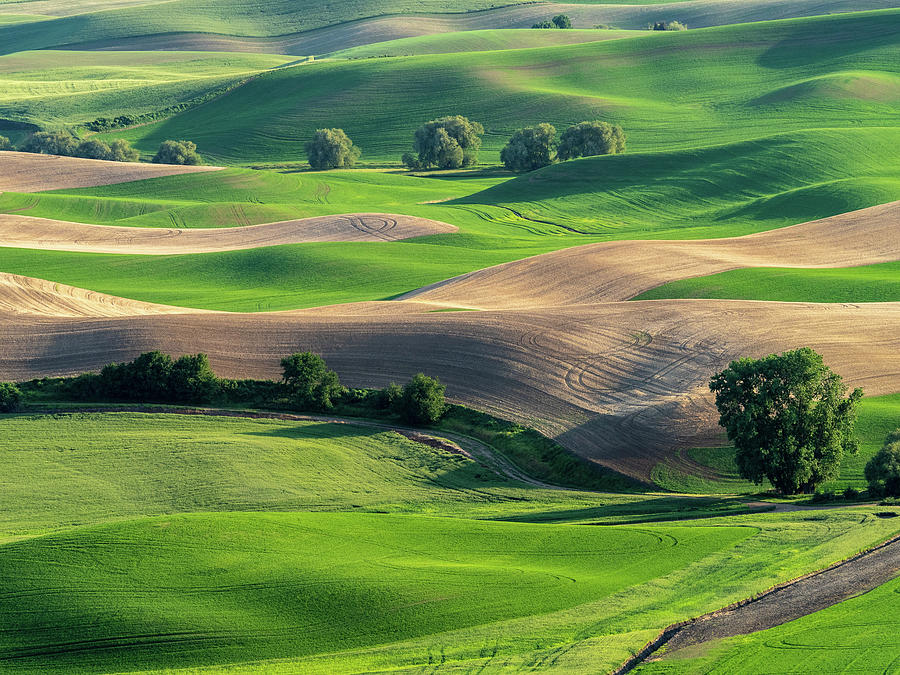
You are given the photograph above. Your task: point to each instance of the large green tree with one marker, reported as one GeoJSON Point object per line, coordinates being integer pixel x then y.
{"type": "Point", "coordinates": [331, 149]}
{"type": "Point", "coordinates": [530, 148]}
{"type": "Point", "coordinates": [310, 384]}
{"type": "Point", "coordinates": [422, 400]}
{"type": "Point", "coordinates": [177, 152]}
{"type": "Point", "coordinates": [446, 143]}
{"type": "Point", "coordinates": [789, 416]}
{"type": "Point", "coordinates": [587, 139]}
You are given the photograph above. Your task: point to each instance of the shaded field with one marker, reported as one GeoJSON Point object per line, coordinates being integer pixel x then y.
{"type": "Point", "coordinates": [717, 85]}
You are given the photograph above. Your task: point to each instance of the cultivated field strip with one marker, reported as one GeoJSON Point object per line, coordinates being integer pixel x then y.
{"type": "Point", "coordinates": [620, 383]}
{"type": "Point", "coordinates": [41, 233]}
{"type": "Point", "coordinates": [28, 172]}
{"type": "Point", "coordinates": [620, 270]}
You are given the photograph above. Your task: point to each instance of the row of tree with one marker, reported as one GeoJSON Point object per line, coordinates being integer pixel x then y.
{"type": "Point", "coordinates": [559, 21]}
{"type": "Point", "coordinates": [453, 142]}
{"type": "Point", "coordinates": [120, 150]}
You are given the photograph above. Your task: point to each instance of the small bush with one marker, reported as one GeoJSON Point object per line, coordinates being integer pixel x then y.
{"type": "Point", "coordinates": [530, 148]}
{"type": "Point", "coordinates": [823, 496]}
{"type": "Point", "coordinates": [422, 401]}
{"type": "Point", "coordinates": [446, 143]}
{"type": "Point", "coordinates": [51, 143]}
{"type": "Point", "coordinates": [851, 493]}
{"type": "Point", "coordinates": [389, 398]}
{"type": "Point", "coordinates": [10, 397]}
{"type": "Point", "coordinates": [5, 144]}
{"type": "Point", "coordinates": [121, 151]}
{"type": "Point", "coordinates": [883, 470]}
{"type": "Point", "coordinates": [177, 152]}
{"type": "Point", "coordinates": [889, 501]}
{"type": "Point", "coordinates": [544, 24]}
{"type": "Point", "coordinates": [309, 382]}
{"type": "Point", "coordinates": [331, 149]}
{"type": "Point", "coordinates": [667, 25]}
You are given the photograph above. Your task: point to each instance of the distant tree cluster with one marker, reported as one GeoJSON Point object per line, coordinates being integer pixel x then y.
{"type": "Point", "coordinates": [883, 470]}
{"type": "Point", "coordinates": [446, 143]}
{"type": "Point", "coordinates": [789, 416]}
{"type": "Point", "coordinates": [666, 25]}
{"type": "Point", "coordinates": [535, 147]}
{"type": "Point", "coordinates": [559, 21]}
{"type": "Point", "coordinates": [177, 152]}
{"type": "Point", "coordinates": [62, 143]}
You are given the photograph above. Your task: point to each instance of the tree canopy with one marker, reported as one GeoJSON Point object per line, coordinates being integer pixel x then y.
{"type": "Point", "coordinates": [422, 401]}
{"type": "Point", "coordinates": [883, 470]}
{"type": "Point", "coordinates": [789, 416]}
{"type": "Point", "coordinates": [10, 397]}
{"type": "Point", "coordinates": [5, 144]}
{"type": "Point", "coordinates": [331, 149]}
{"type": "Point", "coordinates": [530, 148]}
{"type": "Point", "coordinates": [446, 143]}
{"type": "Point", "coordinates": [310, 384]}
{"type": "Point", "coordinates": [51, 143]}
{"type": "Point", "coordinates": [587, 139]}
{"type": "Point", "coordinates": [177, 152]}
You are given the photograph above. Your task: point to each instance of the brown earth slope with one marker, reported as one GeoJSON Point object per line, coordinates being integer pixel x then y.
{"type": "Point", "coordinates": [28, 172]}
{"type": "Point", "coordinates": [42, 233]}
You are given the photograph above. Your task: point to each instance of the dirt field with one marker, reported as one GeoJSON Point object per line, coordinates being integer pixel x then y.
{"type": "Point", "coordinates": [28, 232]}
{"type": "Point", "coordinates": [28, 172]}
{"type": "Point", "coordinates": [620, 270]}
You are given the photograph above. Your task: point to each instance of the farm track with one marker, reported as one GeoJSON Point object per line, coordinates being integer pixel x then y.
{"type": "Point", "coordinates": [786, 602]}
{"type": "Point", "coordinates": [28, 172]}
{"type": "Point", "coordinates": [41, 233]}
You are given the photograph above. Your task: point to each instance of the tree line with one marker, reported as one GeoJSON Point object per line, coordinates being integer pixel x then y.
{"type": "Point", "coordinates": [453, 142]}
{"type": "Point", "coordinates": [119, 150]}
{"type": "Point", "coordinates": [307, 385]}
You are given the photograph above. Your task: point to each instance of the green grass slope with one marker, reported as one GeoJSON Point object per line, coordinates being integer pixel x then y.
{"type": "Point", "coordinates": [858, 635]}
{"type": "Point", "coordinates": [482, 41]}
{"type": "Point", "coordinates": [868, 283]}
{"type": "Point", "coordinates": [51, 88]}
{"type": "Point", "coordinates": [676, 90]}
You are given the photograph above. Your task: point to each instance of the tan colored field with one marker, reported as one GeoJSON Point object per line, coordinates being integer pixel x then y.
{"type": "Point", "coordinates": [28, 172]}
{"type": "Point", "coordinates": [620, 270]}
{"type": "Point", "coordinates": [621, 383]}
{"type": "Point", "coordinates": [28, 232]}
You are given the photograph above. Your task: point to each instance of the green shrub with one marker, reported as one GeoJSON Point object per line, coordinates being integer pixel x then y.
{"type": "Point", "coordinates": [588, 139]}
{"type": "Point", "coordinates": [51, 143]}
{"type": "Point", "coordinates": [422, 401]}
{"type": "Point", "coordinates": [562, 21]}
{"type": "Point", "coordinates": [530, 148]}
{"type": "Point", "coordinates": [446, 143]}
{"type": "Point", "coordinates": [544, 24]}
{"type": "Point", "coordinates": [10, 397]}
{"type": "Point", "coordinates": [93, 148]}
{"type": "Point", "coordinates": [192, 380]}
{"type": "Point", "coordinates": [5, 144]}
{"type": "Point", "coordinates": [121, 151]}
{"type": "Point", "coordinates": [331, 149]}
{"type": "Point", "coordinates": [667, 25]}
{"type": "Point", "coordinates": [883, 470]}
{"type": "Point", "coordinates": [389, 397]}
{"type": "Point", "coordinates": [177, 152]}
{"type": "Point", "coordinates": [310, 384]}
{"type": "Point", "coordinates": [851, 493]}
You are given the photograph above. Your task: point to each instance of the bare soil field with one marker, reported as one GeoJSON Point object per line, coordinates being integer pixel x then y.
{"type": "Point", "coordinates": [620, 383]}
{"type": "Point", "coordinates": [620, 270]}
{"type": "Point", "coordinates": [28, 172]}
{"type": "Point", "coordinates": [42, 233]}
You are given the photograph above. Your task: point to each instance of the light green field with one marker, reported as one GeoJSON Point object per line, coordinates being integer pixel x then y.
{"type": "Point", "coordinates": [51, 88]}
{"type": "Point", "coordinates": [878, 416]}
{"type": "Point", "coordinates": [857, 635]}
{"type": "Point", "coordinates": [868, 283]}
{"type": "Point", "coordinates": [211, 576]}
{"type": "Point", "coordinates": [483, 41]}
{"type": "Point", "coordinates": [674, 91]}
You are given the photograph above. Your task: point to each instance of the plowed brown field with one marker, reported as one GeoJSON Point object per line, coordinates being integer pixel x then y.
{"type": "Point", "coordinates": [28, 172]}
{"type": "Point", "coordinates": [620, 383]}
{"type": "Point", "coordinates": [28, 232]}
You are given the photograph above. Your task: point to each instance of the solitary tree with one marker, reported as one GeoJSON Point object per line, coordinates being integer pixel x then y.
{"type": "Point", "coordinates": [445, 143]}
{"type": "Point", "coordinates": [422, 401]}
{"type": "Point", "coordinates": [5, 144]}
{"type": "Point", "coordinates": [587, 139]}
{"type": "Point", "coordinates": [51, 143]}
{"type": "Point", "coordinates": [562, 21]}
{"type": "Point", "coordinates": [789, 417]}
{"type": "Point", "coordinates": [309, 382]}
{"type": "Point", "coordinates": [883, 470]}
{"type": "Point", "coordinates": [10, 397]}
{"type": "Point", "coordinates": [177, 152]}
{"type": "Point", "coordinates": [530, 148]}
{"type": "Point", "coordinates": [331, 149]}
